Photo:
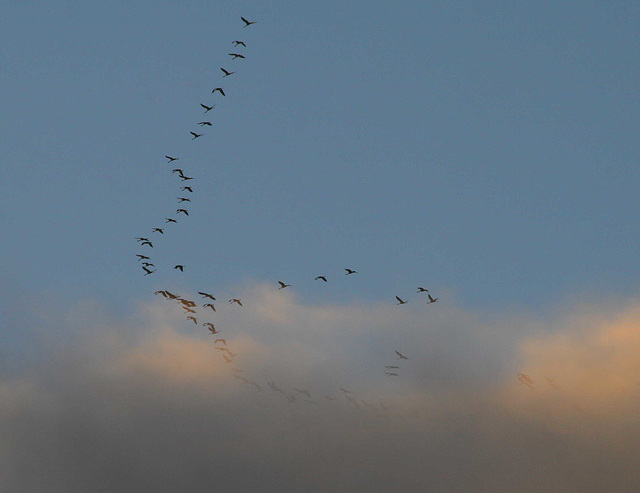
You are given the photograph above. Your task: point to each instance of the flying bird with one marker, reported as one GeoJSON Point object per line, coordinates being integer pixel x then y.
{"type": "Point", "coordinates": [179, 267]}
{"type": "Point", "coordinates": [207, 109]}
{"type": "Point", "coordinates": [147, 271]}
{"type": "Point", "coordinates": [218, 89]}
{"type": "Point", "coordinates": [400, 355]}
{"type": "Point", "coordinates": [183, 199]}
{"type": "Point", "coordinates": [148, 264]}
{"type": "Point", "coordinates": [183, 211]}
{"type": "Point", "coordinates": [158, 230]}
{"type": "Point", "coordinates": [142, 239]}
{"type": "Point", "coordinates": [390, 374]}
{"type": "Point", "coordinates": [226, 73]}
{"type": "Point", "coordinates": [390, 367]}
{"type": "Point", "coordinates": [247, 23]}
{"type": "Point", "coordinates": [195, 135]}
{"type": "Point", "coordinates": [236, 55]}
{"type": "Point", "coordinates": [170, 159]}
{"type": "Point", "coordinates": [186, 189]}
{"type": "Point", "coordinates": [323, 278]}
{"type": "Point", "coordinates": [349, 271]}
{"type": "Point", "coordinates": [191, 317]}
{"type": "Point", "coordinates": [283, 285]}
{"type": "Point", "coordinates": [142, 257]}
{"type": "Point", "coordinates": [178, 170]}
{"type": "Point", "coordinates": [169, 220]}
{"type": "Point", "coordinates": [188, 310]}
{"type": "Point", "coordinates": [146, 243]}
{"type": "Point", "coordinates": [400, 301]}
{"type": "Point", "coordinates": [303, 391]}
{"type": "Point", "coordinates": [422, 290]}
{"type": "Point", "coordinates": [202, 124]}
{"type": "Point", "coordinates": [235, 300]}
{"type": "Point", "coordinates": [347, 391]}
{"type": "Point", "coordinates": [236, 43]}
{"type": "Point", "coordinates": [526, 380]}
{"type": "Point", "coordinates": [206, 295]}
{"type": "Point", "coordinates": [223, 341]}
{"type": "Point", "coordinates": [209, 305]}
{"type": "Point", "coordinates": [432, 299]}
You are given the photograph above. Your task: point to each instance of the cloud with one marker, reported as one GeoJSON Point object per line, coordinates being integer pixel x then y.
{"type": "Point", "coordinates": [148, 404]}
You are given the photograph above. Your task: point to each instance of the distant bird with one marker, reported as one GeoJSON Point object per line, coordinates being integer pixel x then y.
{"type": "Point", "coordinates": [303, 391]}
{"type": "Point", "coordinates": [283, 285]}
{"type": "Point", "coordinates": [349, 271]}
{"type": "Point", "coordinates": [180, 171]}
{"type": "Point", "coordinates": [207, 108]}
{"type": "Point", "coordinates": [206, 295]}
{"type": "Point", "coordinates": [227, 359]}
{"type": "Point", "coordinates": [148, 264]}
{"type": "Point", "coordinates": [400, 355]}
{"type": "Point", "coordinates": [223, 341]}
{"type": "Point", "coordinates": [526, 380]}
{"type": "Point", "coordinates": [186, 178]}
{"type": "Point", "coordinates": [171, 158]}
{"type": "Point", "coordinates": [183, 211]}
{"type": "Point", "coordinates": [235, 300]}
{"type": "Point", "coordinates": [142, 257]}
{"type": "Point", "coordinates": [179, 267]}
{"type": "Point", "coordinates": [187, 302]}
{"type": "Point", "coordinates": [389, 367]}
{"type": "Point", "coordinates": [191, 317]}
{"type": "Point", "coordinates": [218, 89]}
{"type": "Point", "coordinates": [346, 391]}
{"type": "Point", "coordinates": [202, 124]}
{"type": "Point", "coordinates": [422, 290]}
{"type": "Point", "coordinates": [169, 220]}
{"type": "Point", "coordinates": [400, 301]}
{"type": "Point", "coordinates": [209, 305]}
{"type": "Point", "coordinates": [211, 328]}
{"type": "Point", "coordinates": [391, 374]}
{"type": "Point", "coordinates": [246, 22]}
{"type": "Point", "coordinates": [226, 72]}
{"type": "Point", "coordinates": [236, 43]}
{"type": "Point", "coordinates": [236, 55]}
{"type": "Point", "coordinates": [323, 278]}
{"type": "Point", "coordinates": [188, 310]}
{"type": "Point", "coordinates": [432, 299]}
{"type": "Point", "coordinates": [186, 189]}
{"type": "Point", "coordinates": [171, 295]}
{"type": "Point", "coordinates": [163, 293]}
{"type": "Point", "coordinates": [158, 230]}
{"type": "Point", "coordinates": [551, 382]}
{"type": "Point", "coordinates": [146, 243]}
{"type": "Point", "coordinates": [147, 271]}
{"type": "Point", "coordinates": [142, 239]}
{"type": "Point", "coordinates": [274, 387]}
{"type": "Point", "coordinates": [195, 135]}
{"type": "Point", "coordinates": [183, 199]}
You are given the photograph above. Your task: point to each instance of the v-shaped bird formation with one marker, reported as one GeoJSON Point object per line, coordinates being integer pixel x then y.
{"type": "Point", "coordinates": [199, 312]}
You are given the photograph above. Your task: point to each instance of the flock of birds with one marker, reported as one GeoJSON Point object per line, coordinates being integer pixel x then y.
{"type": "Point", "coordinates": [199, 312]}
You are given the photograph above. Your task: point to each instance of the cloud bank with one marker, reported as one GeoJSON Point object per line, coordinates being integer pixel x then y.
{"type": "Point", "coordinates": [149, 404]}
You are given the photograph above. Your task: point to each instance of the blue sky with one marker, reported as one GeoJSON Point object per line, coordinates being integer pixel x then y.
{"type": "Point", "coordinates": [486, 151]}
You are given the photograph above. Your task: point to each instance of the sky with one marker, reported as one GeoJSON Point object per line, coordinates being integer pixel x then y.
{"type": "Point", "coordinates": [488, 153]}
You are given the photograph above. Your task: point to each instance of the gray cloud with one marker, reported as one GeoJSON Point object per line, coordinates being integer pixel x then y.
{"type": "Point", "coordinates": [140, 405]}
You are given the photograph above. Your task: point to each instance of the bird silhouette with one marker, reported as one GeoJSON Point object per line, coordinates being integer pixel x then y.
{"type": "Point", "coordinates": [400, 355]}
{"type": "Point", "coordinates": [186, 178]}
{"type": "Point", "coordinates": [142, 257]}
{"type": "Point", "coordinates": [188, 310]}
{"type": "Point", "coordinates": [183, 211]}
{"type": "Point", "coordinates": [207, 108]}
{"type": "Point", "coordinates": [202, 124]}
{"type": "Point", "coordinates": [246, 22]}
{"type": "Point", "coordinates": [432, 299]}
{"type": "Point", "coordinates": [236, 43]}
{"type": "Point", "coordinates": [147, 271]}
{"type": "Point", "coordinates": [206, 295]}
{"type": "Point", "coordinates": [170, 159]}
{"type": "Point", "coordinates": [169, 220]}
{"type": "Point", "coordinates": [179, 267]}
{"type": "Point", "coordinates": [391, 367]}
{"type": "Point", "coordinates": [283, 285]}
{"type": "Point", "coordinates": [400, 301]}
{"type": "Point", "coordinates": [349, 271]}
{"type": "Point", "coordinates": [223, 341]}
{"type": "Point", "coordinates": [186, 189]}
{"type": "Point", "coordinates": [322, 278]}
{"type": "Point", "coordinates": [194, 319]}
{"type": "Point", "coordinates": [209, 305]}
{"type": "Point", "coordinates": [146, 243]}
{"type": "Point", "coordinates": [236, 55]}
{"type": "Point", "coordinates": [195, 135]}
{"type": "Point", "coordinates": [226, 72]}
{"type": "Point", "coordinates": [218, 89]}
{"type": "Point", "coordinates": [158, 230]}
{"type": "Point", "coordinates": [183, 199]}
{"type": "Point", "coordinates": [235, 300]}
{"type": "Point", "coordinates": [142, 239]}
{"type": "Point", "coordinates": [422, 290]}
